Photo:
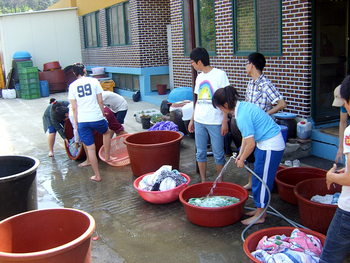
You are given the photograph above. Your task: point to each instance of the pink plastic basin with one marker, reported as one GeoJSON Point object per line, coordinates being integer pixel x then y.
{"type": "Point", "coordinates": [161, 197]}
{"type": "Point", "coordinates": [214, 216]}
{"type": "Point", "coordinates": [286, 179]}
{"type": "Point", "coordinates": [313, 215]}
{"type": "Point", "coordinates": [252, 241]}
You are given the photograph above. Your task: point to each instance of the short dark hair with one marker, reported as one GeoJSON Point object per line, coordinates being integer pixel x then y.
{"type": "Point", "coordinates": [228, 94]}
{"type": "Point", "coordinates": [345, 89]}
{"type": "Point", "coordinates": [200, 53]}
{"type": "Point", "coordinates": [59, 111]}
{"type": "Point", "coordinates": [258, 60]}
{"type": "Point", "coordinates": [78, 69]}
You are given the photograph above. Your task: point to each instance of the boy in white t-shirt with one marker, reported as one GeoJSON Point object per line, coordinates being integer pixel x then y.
{"type": "Point", "coordinates": [87, 105]}
{"type": "Point", "coordinates": [337, 243]}
{"type": "Point", "coordinates": [206, 120]}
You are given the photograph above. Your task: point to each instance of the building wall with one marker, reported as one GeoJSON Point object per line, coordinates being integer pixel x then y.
{"type": "Point", "coordinates": [291, 72]}
{"type": "Point", "coordinates": [149, 38]}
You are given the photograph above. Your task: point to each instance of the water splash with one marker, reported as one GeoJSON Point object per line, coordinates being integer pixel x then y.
{"type": "Point", "coordinates": [217, 178]}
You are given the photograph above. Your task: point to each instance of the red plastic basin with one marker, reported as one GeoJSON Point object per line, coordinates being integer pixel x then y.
{"type": "Point", "coordinates": [52, 65]}
{"type": "Point", "coordinates": [252, 241]}
{"type": "Point", "coordinates": [286, 179]}
{"type": "Point", "coordinates": [161, 197]}
{"type": "Point", "coordinates": [313, 215]}
{"type": "Point", "coordinates": [214, 216]}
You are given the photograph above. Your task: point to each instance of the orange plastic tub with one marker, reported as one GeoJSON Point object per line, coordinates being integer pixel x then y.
{"type": "Point", "coordinates": [48, 235]}
{"type": "Point", "coordinates": [152, 149]}
{"type": "Point", "coordinates": [313, 215]}
{"type": "Point", "coordinates": [286, 179]}
{"type": "Point", "coordinates": [252, 241]}
{"type": "Point", "coordinates": [214, 216]}
{"type": "Point", "coordinates": [161, 197]}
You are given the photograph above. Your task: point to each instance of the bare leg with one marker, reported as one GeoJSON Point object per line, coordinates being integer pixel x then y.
{"type": "Point", "coordinates": [219, 169]}
{"type": "Point", "coordinates": [51, 141]}
{"type": "Point", "coordinates": [248, 186]}
{"type": "Point", "coordinates": [94, 163]}
{"type": "Point", "coordinates": [87, 161]}
{"type": "Point", "coordinates": [107, 145]}
{"type": "Point", "coordinates": [111, 133]}
{"type": "Point", "coordinates": [202, 166]}
{"type": "Point", "coordinates": [258, 212]}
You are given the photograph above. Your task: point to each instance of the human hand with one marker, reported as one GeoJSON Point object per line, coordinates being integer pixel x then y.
{"type": "Point", "coordinates": [329, 175]}
{"type": "Point", "coordinates": [240, 163]}
{"type": "Point", "coordinates": [339, 155]}
{"type": "Point", "coordinates": [191, 126]}
{"type": "Point", "coordinates": [66, 142]}
{"type": "Point", "coordinates": [224, 129]}
{"type": "Point", "coordinates": [76, 145]}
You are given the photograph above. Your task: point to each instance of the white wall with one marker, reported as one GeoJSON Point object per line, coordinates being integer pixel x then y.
{"type": "Point", "coordinates": [50, 35]}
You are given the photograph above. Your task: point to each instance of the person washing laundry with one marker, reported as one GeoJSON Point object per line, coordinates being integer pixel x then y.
{"type": "Point", "coordinates": [85, 96]}
{"type": "Point", "coordinates": [338, 102]}
{"type": "Point", "coordinates": [207, 120]}
{"type": "Point", "coordinates": [262, 93]}
{"type": "Point", "coordinates": [52, 125]}
{"type": "Point", "coordinates": [116, 103]}
{"type": "Point", "coordinates": [256, 127]}
{"type": "Point", "coordinates": [337, 243]}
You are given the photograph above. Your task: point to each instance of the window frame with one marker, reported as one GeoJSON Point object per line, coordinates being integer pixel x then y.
{"type": "Point", "coordinates": [235, 38]}
{"type": "Point", "coordinates": [197, 25]}
{"type": "Point", "coordinates": [95, 27]}
{"type": "Point", "coordinates": [126, 26]}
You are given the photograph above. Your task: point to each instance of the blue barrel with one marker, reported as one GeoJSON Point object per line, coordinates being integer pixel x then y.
{"type": "Point", "coordinates": [284, 130]}
{"type": "Point", "coordinates": [44, 88]}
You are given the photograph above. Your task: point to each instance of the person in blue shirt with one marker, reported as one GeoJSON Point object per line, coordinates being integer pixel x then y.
{"type": "Point", "coordinates": [257, 128]}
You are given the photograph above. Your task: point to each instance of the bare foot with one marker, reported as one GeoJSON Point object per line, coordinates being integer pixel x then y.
{"type": "Point", "coordinates": [122, 132]}
{"type": "Point", "coordinates": [50, 154]}
{"type": "Point", "coordinates": [111, 159]}
{"type": "Point", "coordinates": [249, 220]}
{"type": "Point", "coordinates": [95, 178]}
{"type": "Point", "coordinates": [248, 186]}
{"type": "Point", "coordinates": [251, 213]}
{"type": "Point", "coordinates": [83, 164]}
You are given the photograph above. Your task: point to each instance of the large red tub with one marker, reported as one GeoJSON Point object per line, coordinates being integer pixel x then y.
{"type": "Point", "coordinates": [313, 215]}
{"type": "Point", "coordinates": [214, 216]}
{"type": "Point", "coordinates": [286, 179]}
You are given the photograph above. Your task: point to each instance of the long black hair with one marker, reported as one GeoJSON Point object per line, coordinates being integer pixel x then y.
{"type": "Point", "coordinates": [227, 95]}
{"type": "Point", "coordinates": [59, 111]}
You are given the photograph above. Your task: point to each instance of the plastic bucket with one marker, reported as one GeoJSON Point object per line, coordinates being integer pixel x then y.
{"type": "Point", "coordinates": [49, 235]}
{"type": "Point", "coordinates": [313, 215]}
{"type": "Point", "coordinates": [17, 185]}
{"type": "Point", "coordinates": [150, 150]}
{"type": "Point", "coordinates": [214, 216]}
{"type": "Point", "coordinates": [44, 88]}
{"type": "Point", "coordinates": [286, 179]}
{"type": "Point", "coordinates": [252, 240]}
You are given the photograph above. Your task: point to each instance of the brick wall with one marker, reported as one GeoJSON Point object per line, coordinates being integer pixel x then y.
{"type": "Point", "coordinates": [148, 35]}
{"type": "Point", "coordinates": [291, 72]}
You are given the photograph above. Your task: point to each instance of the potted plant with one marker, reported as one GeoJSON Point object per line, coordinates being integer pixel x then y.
{"type": "Point", "coordinates": [146, 121]}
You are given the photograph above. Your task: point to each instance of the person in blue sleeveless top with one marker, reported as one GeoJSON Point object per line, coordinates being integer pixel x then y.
{"type": "Point", "coordinates": [256, 127]}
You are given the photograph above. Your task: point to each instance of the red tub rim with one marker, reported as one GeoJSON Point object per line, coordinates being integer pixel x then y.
{"type": "Point", "coordinates": [56, 250]}
{"type": "Point", "coordinates": [293, 168]}
{"type": "Point", "coordinates": [154, 145]}
{"type": "Point", "coordinates": [184, 202]}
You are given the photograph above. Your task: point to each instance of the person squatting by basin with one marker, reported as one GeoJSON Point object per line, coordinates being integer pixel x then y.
{"type": "Point", "coordinates": [256, 127]}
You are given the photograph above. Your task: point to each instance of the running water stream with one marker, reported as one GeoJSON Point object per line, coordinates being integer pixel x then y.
{"type": "Point", "coordinates": [222, 171]}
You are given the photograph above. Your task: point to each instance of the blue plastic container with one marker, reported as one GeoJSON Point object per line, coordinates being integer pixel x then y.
{"type": "Point", "coordinates": [284, 130]}
{"type": "Point", "coordinates": [22, 55]}
{"type": "Point", "coordinates": [44, 88]}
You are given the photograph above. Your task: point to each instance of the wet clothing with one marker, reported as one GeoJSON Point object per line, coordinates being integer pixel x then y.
{"type": "Point", "coordinates": [49, 119]}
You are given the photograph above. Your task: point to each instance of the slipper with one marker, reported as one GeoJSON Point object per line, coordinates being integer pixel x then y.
{"type": "Point", "coordinates": [93, 178]}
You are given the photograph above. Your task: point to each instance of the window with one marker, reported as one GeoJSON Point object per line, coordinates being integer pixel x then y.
{"type": "Point", "coordinates": [91, 24]}
{"type": "Point", "coordinates": [118, 24]}
{"type": "Point", "coordinates": [204, 23]}
{"type": "Point", "coordinates": [257, 26]}
{"type": "Point", "coordinates": [126, 81]}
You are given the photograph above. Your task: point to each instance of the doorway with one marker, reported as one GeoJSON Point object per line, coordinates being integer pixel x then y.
{"type": "Point", "coordinates": [330, 53]}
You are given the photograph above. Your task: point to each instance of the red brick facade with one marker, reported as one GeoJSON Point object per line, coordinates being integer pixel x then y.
{"type": "Point", "coordinates": [290, 72]}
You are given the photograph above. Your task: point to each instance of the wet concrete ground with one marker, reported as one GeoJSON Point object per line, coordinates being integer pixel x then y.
{"type": "Point", "coordinates": [129, 228]}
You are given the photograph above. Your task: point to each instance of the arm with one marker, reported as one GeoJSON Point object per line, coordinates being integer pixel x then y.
{"type": "Point", "coordinates": [100, 103]}
{"type": "Point", "coordinates": [75, 113]}
{"type": "Point", "coordinates": [224, 125]}
{"type": "Point", "coordinates": [340, 177]}
{"type": "Point", "coordinates": [281, 104]}
{"type": "Point", "coordinates": [191, 124]}
{"type": "Point", "coordinates": [342, 125]}
{"type": "Point", "coordinates": [248, 145]}
{"type": "Point", "coordinates": [57, 125]}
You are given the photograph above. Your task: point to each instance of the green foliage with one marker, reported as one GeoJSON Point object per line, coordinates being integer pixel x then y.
{"type": "Point", "coordinates": [18, 6]}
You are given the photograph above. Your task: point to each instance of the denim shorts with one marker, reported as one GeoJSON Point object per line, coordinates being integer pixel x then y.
{"type": "Point", "coordinates": [337, 243]}
{"type": "Point", "coordinates": [86, 130]}
{"type": "Point", "coordinates": [202, 131]}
